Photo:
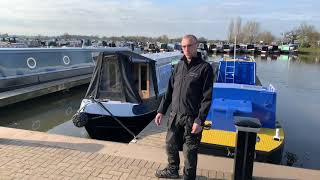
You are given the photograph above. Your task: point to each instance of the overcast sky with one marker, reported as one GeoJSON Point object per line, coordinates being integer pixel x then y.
{"type": "Point", "coordinates": [207, 18]}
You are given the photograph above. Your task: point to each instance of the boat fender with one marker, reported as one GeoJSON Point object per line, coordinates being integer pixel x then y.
{"type": "Point", "coordinates": [80, 119]}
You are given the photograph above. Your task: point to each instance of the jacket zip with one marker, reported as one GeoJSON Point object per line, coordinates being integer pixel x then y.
{"type": "Point", "coordinates": [182, 80]}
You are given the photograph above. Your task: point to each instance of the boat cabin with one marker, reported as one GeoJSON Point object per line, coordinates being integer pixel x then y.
{"type": "Point", "coordinates": [123, 76]}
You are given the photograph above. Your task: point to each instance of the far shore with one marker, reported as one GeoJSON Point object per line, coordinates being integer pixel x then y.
{"type": "Point", "coordinates": [310, 50]}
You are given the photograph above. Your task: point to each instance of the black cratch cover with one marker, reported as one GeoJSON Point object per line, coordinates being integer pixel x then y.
{"type": "Point", "coordinates": [112, 77]}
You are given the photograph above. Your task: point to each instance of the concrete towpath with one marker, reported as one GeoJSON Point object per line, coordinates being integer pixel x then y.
{"type": "Point", "coordinates": [28, 154]}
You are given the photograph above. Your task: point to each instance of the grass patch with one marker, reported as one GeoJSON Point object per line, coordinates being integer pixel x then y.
{"type": "Point", "coordinates": [310, 50]}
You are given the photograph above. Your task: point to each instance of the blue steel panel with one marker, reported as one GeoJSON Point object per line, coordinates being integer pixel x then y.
{"type": "Point", "coordinates": [263, 104]}
{"type": "Point", "coordinates": [224, 110]}
{"type": "Point", "coordinates": [244, 72]}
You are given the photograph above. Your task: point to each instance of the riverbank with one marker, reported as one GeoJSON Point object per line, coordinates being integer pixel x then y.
{"type": "Point", "coordinates": [309, 55]}
{"type": "Point", "coordinates": [310, 50]}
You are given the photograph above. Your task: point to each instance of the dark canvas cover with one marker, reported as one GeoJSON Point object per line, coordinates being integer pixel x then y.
{"type": "Point", "coordinates": [112, 77]}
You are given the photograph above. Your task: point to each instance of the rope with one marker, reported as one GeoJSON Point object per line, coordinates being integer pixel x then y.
{"type": "Point", "coordinates": [116, 119]}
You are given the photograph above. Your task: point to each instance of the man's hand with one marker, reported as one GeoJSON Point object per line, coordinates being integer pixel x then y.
{"type": "Point", "coordinates": [158, 119]}
{"type": "Point", "coordinates": [196, 128]}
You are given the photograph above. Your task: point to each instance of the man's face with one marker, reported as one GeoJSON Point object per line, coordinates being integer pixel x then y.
{"type": "Point", "coordinates": [189, 47]}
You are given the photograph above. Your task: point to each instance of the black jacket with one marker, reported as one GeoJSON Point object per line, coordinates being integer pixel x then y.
{"type": "Point", "coordinates": [190, 89]}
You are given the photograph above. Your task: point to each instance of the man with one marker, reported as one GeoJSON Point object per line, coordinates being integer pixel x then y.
{"type": "Point", "coordinates": [190, 92]}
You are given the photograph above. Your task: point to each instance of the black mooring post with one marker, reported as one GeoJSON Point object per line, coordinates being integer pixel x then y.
{"type": "Point", "coordinates": [247, 129]}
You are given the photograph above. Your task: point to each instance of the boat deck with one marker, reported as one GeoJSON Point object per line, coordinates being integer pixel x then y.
{"type": "Point", "coordinates": [227, 138]}
{"type": "Point", "coordinates": [154, 136]}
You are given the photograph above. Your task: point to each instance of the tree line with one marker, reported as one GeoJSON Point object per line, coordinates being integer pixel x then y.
{"type": "Point", "coordinates": [306, 35]}
{"type": "Point", "coordinates": [250, 32]}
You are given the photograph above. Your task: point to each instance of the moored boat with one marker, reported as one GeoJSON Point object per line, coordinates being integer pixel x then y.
{"type": "Point", "coordinates": [239, 93]}
{"type": "Point", "coordinates": [288, 48]}
{"type": "Point", "coordinates": [226, 48]}
{"type": "Point", "coordinates": [212, 48]}
{"type": "Point", "coordinates": [264, 49]}
{"type": "Point", "coordinates": [274, 49]}
{"type": "Point", "coordinates": [124, 93]}
{"type": "Point", "coordinates": [22, 67]}
{"type": "Point", "coordinates": [247, 48]}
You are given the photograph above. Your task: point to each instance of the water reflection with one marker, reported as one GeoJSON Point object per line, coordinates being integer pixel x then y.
{"type": "Point", "coordinates": [291, 158]}
{"type": "Point", "coordinates": [306, 58]}
{"type": "Point", "coordinates": [43, 113]}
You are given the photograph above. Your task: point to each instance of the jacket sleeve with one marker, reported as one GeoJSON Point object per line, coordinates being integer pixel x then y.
{"type": "Point", "coordinates": [167, 98]}
{"type": "Point", "coordinates": [207, 95]}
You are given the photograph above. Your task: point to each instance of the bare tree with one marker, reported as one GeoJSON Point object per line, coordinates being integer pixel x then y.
{"type": "Point", "coordinates": [290, 36]}
{"type": "Point", "coordinates": [230, 31]}
{"type": "Point", "coordinates": [266, 37]}
{"type": "Point", "coordinates": [237, 30]}
{"type": "Point", "coordinates": [66, 35]}
{"type": "Point", "coordinates": [163, 39]}
{"type": "Point", "coordinates": [174, 40]}
{"type": "Point", "coordinates": [202, 39]}
{"type": "Point", "coordinates": [250, 31]}
{"type": "Point", "coordinates": [307, 35]}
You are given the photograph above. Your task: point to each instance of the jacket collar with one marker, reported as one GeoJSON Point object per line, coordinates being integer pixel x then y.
{"type": "Point", "coordinates": [194, 60]}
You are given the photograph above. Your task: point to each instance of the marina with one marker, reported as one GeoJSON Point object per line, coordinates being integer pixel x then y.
{"type": "Point", "coordinates": [146, 90]}
{"type": "Point", "coordinates": [61, 110]}
{"type": "Point", "coordinates": [125, 90]}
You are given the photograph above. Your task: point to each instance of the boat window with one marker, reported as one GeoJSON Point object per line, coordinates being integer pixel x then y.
{"type": "Point", "coordinates": [213, 46]}
{"type": "Point", "coordinates": [143, 76]}
{"type": "Point", "coordinates": [163, 46]}
{"type": "Point", "coordinates": [250, 46]}
{"type": "Point", "coordinates": [144, 84]}
{"type": "Point", "coordinates": [152, 46]}
{"type": "Point", "coordinates": [110, 76]}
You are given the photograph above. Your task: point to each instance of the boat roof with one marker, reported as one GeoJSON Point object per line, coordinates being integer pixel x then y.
{"type": "Point", "coordinates": [158, 56]}
{"type": "Point", "coordinates": [87, 49]}
{"type": "Point", "coordinates": [239, 58]}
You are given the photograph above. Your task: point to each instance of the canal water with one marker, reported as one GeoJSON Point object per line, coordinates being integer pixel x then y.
{"type": "Point", "coordinates": [296, 79]}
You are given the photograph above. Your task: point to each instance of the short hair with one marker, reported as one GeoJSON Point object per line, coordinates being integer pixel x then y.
{"type": "Point", "coordinates": [191, 36]}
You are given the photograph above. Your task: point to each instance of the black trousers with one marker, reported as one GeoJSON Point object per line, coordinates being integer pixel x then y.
{"type": "Point", "coordinates": [179, 135]}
